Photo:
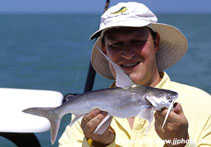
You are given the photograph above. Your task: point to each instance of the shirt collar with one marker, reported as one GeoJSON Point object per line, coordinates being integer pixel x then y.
{"type": "Point", "coordinates": [164, 83]}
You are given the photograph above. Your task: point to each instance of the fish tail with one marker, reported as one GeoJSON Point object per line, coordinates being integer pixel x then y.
{"type": "Point", "coordinates": [52, 115]}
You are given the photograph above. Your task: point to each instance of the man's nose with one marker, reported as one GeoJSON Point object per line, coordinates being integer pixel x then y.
{"type": "Point", "coordinates": [128, 52]}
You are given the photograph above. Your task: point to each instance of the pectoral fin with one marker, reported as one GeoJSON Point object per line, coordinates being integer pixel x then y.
{"type": "Point", "coordinates": [104, 124]}
{"type": "Point", "coordinates": [146, 114]}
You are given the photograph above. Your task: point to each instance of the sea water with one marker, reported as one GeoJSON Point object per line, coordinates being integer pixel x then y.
{"type": "Point", "coordinates": [52, 52]}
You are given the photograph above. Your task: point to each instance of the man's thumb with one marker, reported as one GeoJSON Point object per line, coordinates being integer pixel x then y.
{"type": "Point", "coordinates": [178, 108]}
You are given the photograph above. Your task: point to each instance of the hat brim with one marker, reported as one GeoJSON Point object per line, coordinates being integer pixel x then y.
{"type": "Point", "coordinates": [173, 46]}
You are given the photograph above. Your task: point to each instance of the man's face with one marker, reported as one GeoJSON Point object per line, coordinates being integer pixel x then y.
{"type": "Point", "coordinates": [134, 50]}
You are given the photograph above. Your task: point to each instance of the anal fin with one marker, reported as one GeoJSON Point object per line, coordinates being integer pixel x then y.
{"type": "Point", "coordinates": [77, 117]}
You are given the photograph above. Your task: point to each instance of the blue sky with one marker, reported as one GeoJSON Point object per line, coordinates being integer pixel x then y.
{"type": "Point", "coordinates": [69, 6]}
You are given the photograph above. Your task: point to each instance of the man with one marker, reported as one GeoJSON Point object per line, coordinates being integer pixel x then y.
{"type": "Point", "coordinates": [131, 37]}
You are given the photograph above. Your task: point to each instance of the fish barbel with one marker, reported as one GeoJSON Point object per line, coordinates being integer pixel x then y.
{"type": "Point", "coordinates": [128, 100]}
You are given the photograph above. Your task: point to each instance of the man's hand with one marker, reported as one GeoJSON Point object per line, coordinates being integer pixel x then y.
{"type": "Point", "coordinates": [176, 127]}
{"type": "Point", "coordinates": [89, 123]}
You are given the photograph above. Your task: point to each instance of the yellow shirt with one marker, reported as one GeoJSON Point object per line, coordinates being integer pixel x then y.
{"type": "Point", "coordinates": [196, 105]}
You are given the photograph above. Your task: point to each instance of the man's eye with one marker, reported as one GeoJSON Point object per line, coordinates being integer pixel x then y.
{"type": "Point", "coordinates": [116, 45]}
{"type": "Point", "coordinates": [139, 42]}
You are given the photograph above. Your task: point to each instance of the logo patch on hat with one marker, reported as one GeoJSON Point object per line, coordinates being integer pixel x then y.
{"type": "Point", "coordinates": [121, 10]}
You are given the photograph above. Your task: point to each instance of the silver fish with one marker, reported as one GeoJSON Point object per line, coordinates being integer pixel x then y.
{"type": "Point", "coordinates": [128, 100]}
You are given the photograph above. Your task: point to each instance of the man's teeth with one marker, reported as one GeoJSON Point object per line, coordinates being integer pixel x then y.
{"type": "Point", "coordinates": [129, 65]}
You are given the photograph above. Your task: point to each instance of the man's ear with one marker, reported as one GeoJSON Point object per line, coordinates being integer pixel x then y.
{"type": "Point", "coordinates": [103, 47]}
{"type": "Point", "coordinates": [157, 42]}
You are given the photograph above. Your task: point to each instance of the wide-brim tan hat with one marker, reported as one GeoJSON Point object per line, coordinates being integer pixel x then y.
{"type": "Point", "coordinates": [173, 44]}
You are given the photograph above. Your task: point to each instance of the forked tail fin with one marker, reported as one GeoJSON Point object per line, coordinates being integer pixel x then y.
{"type": "Point", "coordinates": [52, 115]}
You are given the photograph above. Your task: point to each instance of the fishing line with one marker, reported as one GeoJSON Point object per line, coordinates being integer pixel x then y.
{"type": "Point", "coordinates": [84, 53]}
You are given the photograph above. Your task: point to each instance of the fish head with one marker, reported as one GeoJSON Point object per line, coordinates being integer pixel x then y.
{"type": "Point", "coordinates": [160, 98]}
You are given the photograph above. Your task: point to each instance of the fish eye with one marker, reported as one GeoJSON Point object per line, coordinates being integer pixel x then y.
{"type": "Point", "coordinates": [168, 97]}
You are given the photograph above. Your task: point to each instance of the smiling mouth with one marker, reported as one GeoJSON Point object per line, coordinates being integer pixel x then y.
{"type": "Point", "coordinates": [129, 65]}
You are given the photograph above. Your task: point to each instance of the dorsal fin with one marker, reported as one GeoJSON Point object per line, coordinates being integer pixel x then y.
{"type": "Point", "coordinates": [122, 80]}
